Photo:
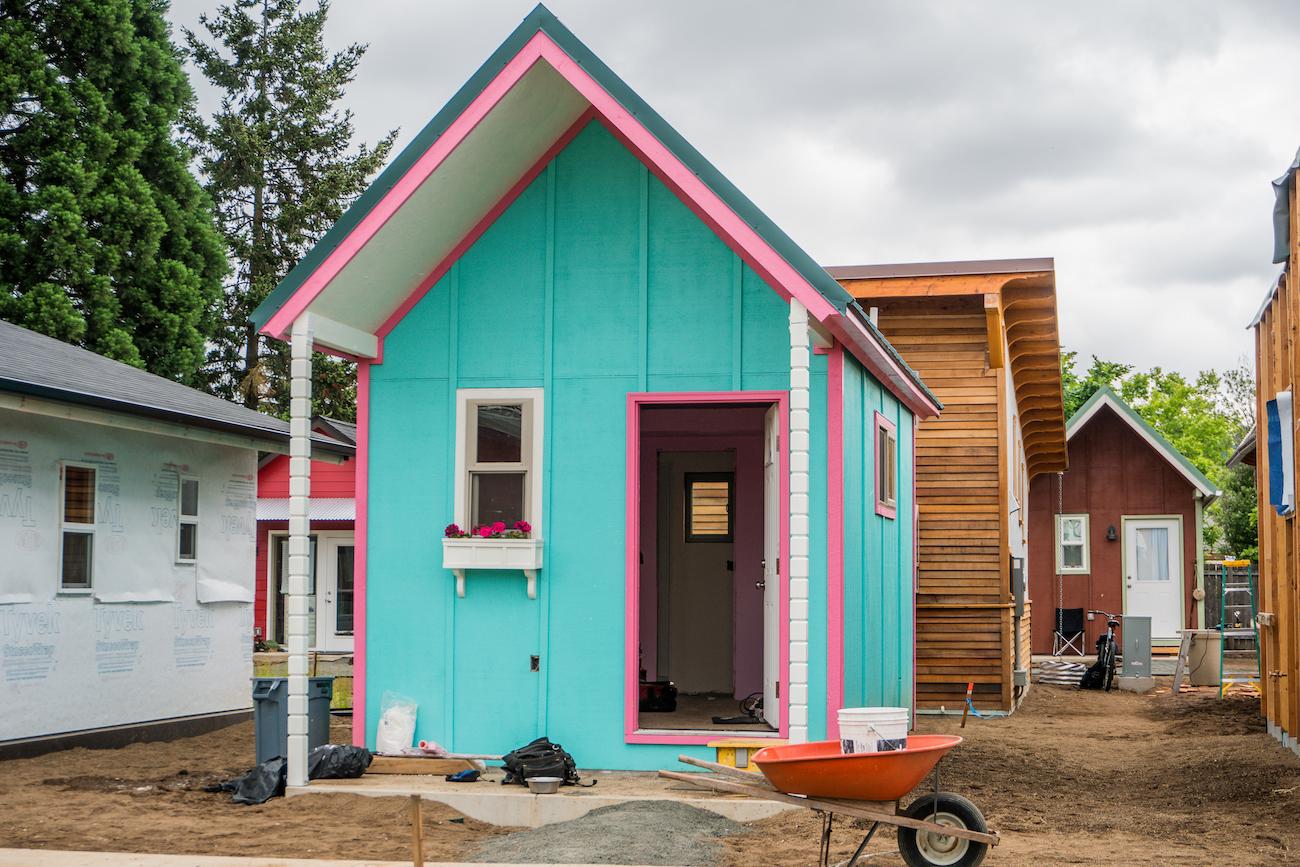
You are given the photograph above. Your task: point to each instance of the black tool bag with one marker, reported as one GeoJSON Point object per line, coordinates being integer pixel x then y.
{"type": "Point", "coordinates": [541, 758]}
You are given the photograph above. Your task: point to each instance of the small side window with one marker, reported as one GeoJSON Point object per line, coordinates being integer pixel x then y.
{"type": "Point", "coordinates": [187, 521]}
{"type": "Point", "coordinates": [1072, 544]}
{"type": "Point", "coordinates": [886, 467]}
{"type": "Point", "coordinates": [77, 539]}
{"type": "Point", "coordinates": [709, 512]}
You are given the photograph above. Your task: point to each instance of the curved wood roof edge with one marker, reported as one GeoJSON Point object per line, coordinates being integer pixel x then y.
{"type": "Point", "coordinates": [1026, 292]}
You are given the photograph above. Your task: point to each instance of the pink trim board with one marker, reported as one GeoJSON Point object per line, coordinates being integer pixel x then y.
{"type": "Point", "coordinates": [632, 566]}
{"type": "Point", "coordinates": [361, 541]}
{"type": "Point", "coordinates": [834, 539]}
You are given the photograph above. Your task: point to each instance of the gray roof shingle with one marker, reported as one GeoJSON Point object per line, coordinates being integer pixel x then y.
{"type": "Point", "coordinates": [34, 365]}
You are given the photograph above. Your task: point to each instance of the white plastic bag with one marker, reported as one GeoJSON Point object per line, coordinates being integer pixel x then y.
{"type": "Point", "coordinates": [396, 724]}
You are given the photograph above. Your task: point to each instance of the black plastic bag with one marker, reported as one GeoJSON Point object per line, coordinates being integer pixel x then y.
{"type": "Point", "coordinates": [267, 780]}
{"type": "Point", "coordinates": [261, 784]}
{"type": "Point", "coordinates": [337, 762]}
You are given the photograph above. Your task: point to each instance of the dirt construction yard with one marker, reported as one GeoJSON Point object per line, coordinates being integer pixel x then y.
{"type": "Point", "coordinates": [1072, 778]}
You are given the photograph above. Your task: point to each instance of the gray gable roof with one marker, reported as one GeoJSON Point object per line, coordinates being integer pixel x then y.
{"type": "Point", "coordinates": [34, 365]}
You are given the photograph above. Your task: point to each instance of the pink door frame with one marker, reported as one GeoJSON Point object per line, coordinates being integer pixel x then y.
{"type": "Point", "coordinates": [632, 543]}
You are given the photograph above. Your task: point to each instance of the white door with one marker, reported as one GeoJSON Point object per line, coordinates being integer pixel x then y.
{"type": "Point", "coordinates": [772, 569]}
{"type": "Point", "coordinates": [335, 559]}
{"type": "Point", "coordinates": [1153, 573]}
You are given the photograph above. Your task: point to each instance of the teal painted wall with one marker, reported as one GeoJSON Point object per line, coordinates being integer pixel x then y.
{"type": "Point", "coordinates": [596, 282]}
{"type": "Point", "coordinates": [878, 553]}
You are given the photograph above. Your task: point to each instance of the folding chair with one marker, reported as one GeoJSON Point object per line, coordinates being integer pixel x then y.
{"type": "Point", "coordinates": [1067, 631]}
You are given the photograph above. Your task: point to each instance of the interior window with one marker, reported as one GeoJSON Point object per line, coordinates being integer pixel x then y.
{"type": "Point", "coordinates": [709, 513]}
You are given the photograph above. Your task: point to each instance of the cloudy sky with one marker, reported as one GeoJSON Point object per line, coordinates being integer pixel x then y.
{"type": "Point", "coordinates": [1132, 141]}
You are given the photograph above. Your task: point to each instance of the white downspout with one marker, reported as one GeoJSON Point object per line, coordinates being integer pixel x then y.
{"type": "Point", "coordinates": [299, 542]}
{"type": "Point", "coordinates": [800, 362]}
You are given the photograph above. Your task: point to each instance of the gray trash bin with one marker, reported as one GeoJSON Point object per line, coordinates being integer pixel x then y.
{"type": "Point", "coordinates": [271, 714]}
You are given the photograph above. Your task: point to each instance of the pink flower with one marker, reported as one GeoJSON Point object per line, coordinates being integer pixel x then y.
{"type": "Point", "coordinates": [523, 526]}
{"type": "Point", "coordinates": [499, 527]}
{"type": "Point", "coordinates": [485, 531]}
{"type": "Point", "coordinates": [452, 532]}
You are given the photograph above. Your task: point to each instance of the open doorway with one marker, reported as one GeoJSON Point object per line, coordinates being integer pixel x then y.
{"type": "Point", "coordinates": [707, 624]}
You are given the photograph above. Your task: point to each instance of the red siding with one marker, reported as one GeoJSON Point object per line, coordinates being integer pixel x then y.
{"type": "Point", "coordinates": [1113, 472]}
{"type": "Point", "coordinates": [327, 481]}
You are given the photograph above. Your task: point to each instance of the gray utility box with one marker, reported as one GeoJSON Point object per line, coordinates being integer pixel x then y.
{"type": "Point", "coordinates": [1136, 635]}
{"type": "Point", "coordinates": [271, 714]}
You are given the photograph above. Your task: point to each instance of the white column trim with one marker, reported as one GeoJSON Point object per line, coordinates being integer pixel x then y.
{"type": "Point", "coordinates": [800, 425]}
{"type": "Point", "coordinates": [299, 554]}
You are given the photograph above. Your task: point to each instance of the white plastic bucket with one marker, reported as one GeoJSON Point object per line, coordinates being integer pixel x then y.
{"type": "Point", "coordinates": [873, 729]}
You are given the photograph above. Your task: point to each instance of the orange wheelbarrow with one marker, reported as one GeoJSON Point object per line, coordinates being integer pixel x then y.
{"type": "Point", "coordinates": [937, 828]}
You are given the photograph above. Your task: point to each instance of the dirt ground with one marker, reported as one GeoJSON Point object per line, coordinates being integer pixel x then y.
{"type": "Point", "coordinates": [1079, 777]}
{"type": "Point", "coordinates": [1072, 778]}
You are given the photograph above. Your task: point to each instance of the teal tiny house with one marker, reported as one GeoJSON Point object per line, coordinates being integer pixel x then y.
{"type": "Point", "coordinates": [671, 446]}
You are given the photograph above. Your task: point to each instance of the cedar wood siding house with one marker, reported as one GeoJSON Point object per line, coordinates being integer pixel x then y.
{"type": "Point", "coordinates": [565, 316]}
{"type": "Point", "coordinates": [1120, 531]}
{"type": "Point", "coordinates": [984, 337]}
{"type": "Point", "coordinates": [1277, 370]}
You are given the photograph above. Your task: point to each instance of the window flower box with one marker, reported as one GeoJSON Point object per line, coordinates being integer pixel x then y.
{"type": "Point", "coordinates": [462, 554]}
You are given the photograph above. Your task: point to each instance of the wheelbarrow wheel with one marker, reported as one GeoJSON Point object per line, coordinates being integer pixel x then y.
{"type": "Point", "coordinates": [922, 848]}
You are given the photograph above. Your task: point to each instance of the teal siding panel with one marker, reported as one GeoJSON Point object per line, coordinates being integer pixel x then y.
{"type": "Point", "coordinates": [855, 506]}
{"type": "Point", "coordinates": [817, 538]}
{"type": "Point", "coordinates": [690, 293]}
{"type": "Point", "coordinates": [419, 340]}
{"type": "Point", "coordinates": [408, 601]}
{"type": "Point", "coordinates": [765, 332]}
{"type": "Point", "coordinates": [878, 580]}
{"type": "Point", "coordinates": [503, 274]}
{"type": "Point", "coordinates": [597, 196]}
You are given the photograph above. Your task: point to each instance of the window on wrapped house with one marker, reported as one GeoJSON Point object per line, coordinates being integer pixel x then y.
{"type": "Point", "coordinates": [77, 544]}
{"type": "Point", "coordinates": [187, 523]}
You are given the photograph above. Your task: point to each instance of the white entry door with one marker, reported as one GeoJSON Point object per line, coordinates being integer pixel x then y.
{"type": "Point", "coordinates": [1153, 573]}
{"type": "Point", "coordinates": [335, 559]}
{"type": "Point", "coordinates": [772, 568]}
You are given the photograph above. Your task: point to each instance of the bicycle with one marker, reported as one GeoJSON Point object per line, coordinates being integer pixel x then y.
{"type": "Point", "coordinates": [1102, 673]}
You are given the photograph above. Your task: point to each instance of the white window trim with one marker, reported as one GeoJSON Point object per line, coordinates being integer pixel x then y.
{"type": "Point", "coordinates": [1086, 568]}
{"type": "Point", "coordinates": [182, 519]}
{"type": "Point", "coordinates": [67, 526]}
{"type": "Point", "coordinates": [533, 445]}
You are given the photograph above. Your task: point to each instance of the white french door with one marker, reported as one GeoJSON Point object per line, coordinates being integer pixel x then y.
{"type": "Point", "coordinates": [771, 568]}
{"type": "Point", "coordinates": [1153, 573]}
{"type": "Point", "coordinates": [335, 561]}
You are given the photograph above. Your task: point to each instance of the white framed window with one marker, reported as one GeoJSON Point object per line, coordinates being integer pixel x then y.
{"type": "Point", "coordinates": [886, 443]}
{"type": "Point", "coordinates": [1072, 544]}
{"type": "Point", "coordinates": [499, 457]}
{"type": "Point", "coordinates": [77, 527]}
{"type": "Point", "coordinates": [187, 520]}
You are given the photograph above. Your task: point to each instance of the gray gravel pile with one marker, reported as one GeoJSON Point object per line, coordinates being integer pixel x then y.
{"type": "Point", "coordinates": [639, 832]}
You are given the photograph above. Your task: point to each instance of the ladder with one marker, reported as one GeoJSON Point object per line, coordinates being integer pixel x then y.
{"type": "Point", "coordinates": [1238, 618]}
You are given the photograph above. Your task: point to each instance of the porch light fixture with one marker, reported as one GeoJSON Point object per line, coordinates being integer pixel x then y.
{"type": "Point", "coordinates": [1110, 533]}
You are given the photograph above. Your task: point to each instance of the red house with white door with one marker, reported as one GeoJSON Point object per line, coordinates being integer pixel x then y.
{"type": "Point", "coordinates": [333, 514]}
{"type": "Point", "coordinates": [1120, 531]}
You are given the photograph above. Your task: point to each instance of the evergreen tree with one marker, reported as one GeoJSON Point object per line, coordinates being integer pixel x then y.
{"type": "Point", "coordinates": [279, 163]}
{"type": "Point", "coordinates": [106, 240]}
